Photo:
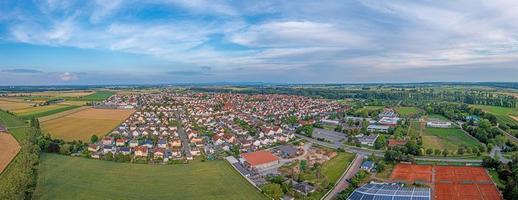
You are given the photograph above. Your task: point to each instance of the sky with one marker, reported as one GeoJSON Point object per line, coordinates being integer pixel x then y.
{"type": "Point", "coordinates": [202, 41]}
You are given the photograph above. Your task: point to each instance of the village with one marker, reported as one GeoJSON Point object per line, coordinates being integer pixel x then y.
{"type": "Point", "coordinates": [181, 126]}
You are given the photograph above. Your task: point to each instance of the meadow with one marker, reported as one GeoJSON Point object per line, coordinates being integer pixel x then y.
{"type": "Point", "coordinates": [503, 115]}
{"type": "Point", "coordinates": [16, 126]}
{"type": "Point", "coordinates": [447, 138]}
{"type": "Point", "coordinates": [97, 96]}
{"type": "Point", "coordinates": [81, 125]}
{"type": "Point", "coordinates": [407, 111]}
{"type": "Point", "coordinates": [63, 177]}
{"type": "Point", "coordinates": [334, 168]}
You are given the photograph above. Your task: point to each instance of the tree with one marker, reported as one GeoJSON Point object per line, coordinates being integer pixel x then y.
{"type": "Point", "coordinates": [445, 152]}
{"type": "Point", "coordinates": [35, 122]}
{"type": "Point", "coordinates": [437, 152]}
{"type": "Point", "coordinates": [273, 190]}
{"type": "Point", "coordinates": [460, 151]}
{"type": "Point", "coordinates": [429, 151]}
{"type": "Point", "coordinates": [94, 139]}
{"type": "Point", "coordinates": [380, 142]}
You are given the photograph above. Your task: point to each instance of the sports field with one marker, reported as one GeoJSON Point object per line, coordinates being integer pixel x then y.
{"type": "Point", "coordinates": [83, 124]}
{"type": "Point", "coordinates": [334, 168]}
{"type": "Point", "coordinates": [63, 177]}
{"type": "Point", "coordinates": [9, 147]}
{"type": "Point", "coordinates": [449, 182]}
{"type": "Point", "coordinates": [503, 115]}
{"type": "Point", "coordinates": [447, 138]}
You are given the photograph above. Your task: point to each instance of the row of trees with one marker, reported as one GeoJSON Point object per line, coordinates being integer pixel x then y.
{"type": "Point", "coordinates": [507, 173]}
{"type": "Point", "coordinates": [472, 96]}
{"type": "Point", "coordinates": [18, 181]}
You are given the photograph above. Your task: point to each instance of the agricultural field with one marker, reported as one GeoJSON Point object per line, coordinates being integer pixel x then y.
{"type": "Point", "coordinates": [9, 147]}
{"type": "Point", "coordinates": [42, 111]}
{"type": "Point", "coordinates": [334, 168]}
{"type": "Point", "coordinates": [504, 115]}
{"type": "Point", "coordinates": [447, 138]}
{"type": "Point", "coordinates": [56, 94]}
{"type": "Point", "coordinates": [63, 177]}
{"type": "Point", "coordinates": [83, 124]}
{"type": "Point", "coordinates": [62, 114]}
{"type": "Point", "coordinates": [97, 96]}
{"type": "Point", "coordinates": [407, 111]}
{"type": "Point", "coordinates": [16, 126]}
{"type": "Point", "coordinates": [11, 104]}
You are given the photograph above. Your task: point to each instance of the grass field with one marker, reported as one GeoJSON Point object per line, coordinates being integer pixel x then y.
{"type": "Point", "coordinates": [83, 124]}
{"type": "Point", "coordinates": [407, 111]}
{"type": "Point", "coordinates": [56, 94]}
{"type": "Point", "coordinates": [8, 149]}
{"type": "Point", "coordinates": [62, 114]}
{"type": "Point", "coordinates": [62, 177]}
{"type": "Point", "coordinates": [97, 96]}
{"type": "Point", "coordinates": [42, 111]}
{"type": "Point", "coordinates": [16, 126]}
{"type": "Point", "coordinates": [437, 117]}
{"type": "Point", "coordinates": [503, 115]}
{"type": "Point", "coordinates": [447, 138]}
{"type": "Point", "coordinates": [334, 168]}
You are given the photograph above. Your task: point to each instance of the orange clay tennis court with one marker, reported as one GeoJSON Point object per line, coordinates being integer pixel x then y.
{"type": "Point", "coordinates": [449, 182]}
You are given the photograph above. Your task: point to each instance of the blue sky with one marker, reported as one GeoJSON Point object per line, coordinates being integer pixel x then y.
{"type": "Point", "coordinates": [200, 41]}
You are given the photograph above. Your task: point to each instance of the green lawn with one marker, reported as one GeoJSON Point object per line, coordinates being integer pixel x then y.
{"type": "Point", "coordinates": [385, 174]}
{"type": "Point", "coordinates": [496, 179]}
{"type": "Point", "coordinates": [64, 177]}
{"type": "Point", "coordinates": [97, 96]}
{"type": "Point", "coordinates": [16, 126]}
{"type": "Point", "coordinates": [447, 138]}
{"type": "Point", "coordinates": [437, 117]}
{"type": "Point", "coordinates": [407, 111]}
{"type": "Point", "coordinates": [502, 113]}
{"type": "Point", "coordinates": [334, 168]}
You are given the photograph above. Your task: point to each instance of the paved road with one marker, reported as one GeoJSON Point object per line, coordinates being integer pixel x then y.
{"type": "Point", "coordinates": [342, 183]}
{"type": "Point", "coordinates": [514, 139]}
{"type": "Point", "coordinates": [497, 151]}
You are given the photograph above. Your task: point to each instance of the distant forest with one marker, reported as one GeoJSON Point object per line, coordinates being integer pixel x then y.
{"type": "Point", "coordinates": [472, 96]}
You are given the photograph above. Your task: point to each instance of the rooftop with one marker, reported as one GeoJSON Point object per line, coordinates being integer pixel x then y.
{"type": "Point", "coordinates": [259, 157]}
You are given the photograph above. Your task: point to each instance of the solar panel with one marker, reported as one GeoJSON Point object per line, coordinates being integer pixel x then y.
{"type": "Point", "coordinates": [373, 191]}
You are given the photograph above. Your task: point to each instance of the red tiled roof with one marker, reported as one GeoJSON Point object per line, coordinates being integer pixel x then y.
{"type": "Point", "coordinates": [393, 142]}
{"type": "Point", "coordinates": [259, 158]}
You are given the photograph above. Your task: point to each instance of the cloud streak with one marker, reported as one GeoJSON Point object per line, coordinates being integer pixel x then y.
{"type": "Point", "coordinates": [278, 37]}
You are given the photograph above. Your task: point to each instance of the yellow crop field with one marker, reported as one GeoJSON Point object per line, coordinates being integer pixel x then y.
{"type": "Point", "coordinates": [13, 104]}
{"type": "Point", "coordinates": [8, 149]}
{"type": "Point", "coordinates": [83, 124]}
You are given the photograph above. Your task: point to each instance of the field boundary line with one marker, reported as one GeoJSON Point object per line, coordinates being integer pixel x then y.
{"type": "Point", "coordinates": [62, 114]}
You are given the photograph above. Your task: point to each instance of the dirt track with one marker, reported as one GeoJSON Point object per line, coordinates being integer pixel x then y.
{"type": "Point", "coordinates": [9, 147]}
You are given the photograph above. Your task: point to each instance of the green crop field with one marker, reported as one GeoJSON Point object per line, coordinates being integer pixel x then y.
{"type": "Point", "coordinates": [407, 111]}
{"type": "Point", "coordinates": [334, 168]}
{"type": "Point", "coordinates": [447, 138]}
{"type": "Point", "coordinates": [43, 111]}
{"type": "Point", "coordinates": [503, 115]}
{"type": "Point", "coordinates": [64, 177]}
{"type": "Point", "coordinates": [97, 96]}
{"type": "Point", "coordinates": [16, 126]}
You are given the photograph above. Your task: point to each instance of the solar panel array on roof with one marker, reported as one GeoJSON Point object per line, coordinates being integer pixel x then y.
{"type": "Point", "coordinates": [383, 191]}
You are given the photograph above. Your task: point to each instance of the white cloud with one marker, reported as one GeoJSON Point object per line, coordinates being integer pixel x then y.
{"type": "Point", "coordinates": [297, 33]}
{"type": "Point", "coordinates": [67, 76]}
